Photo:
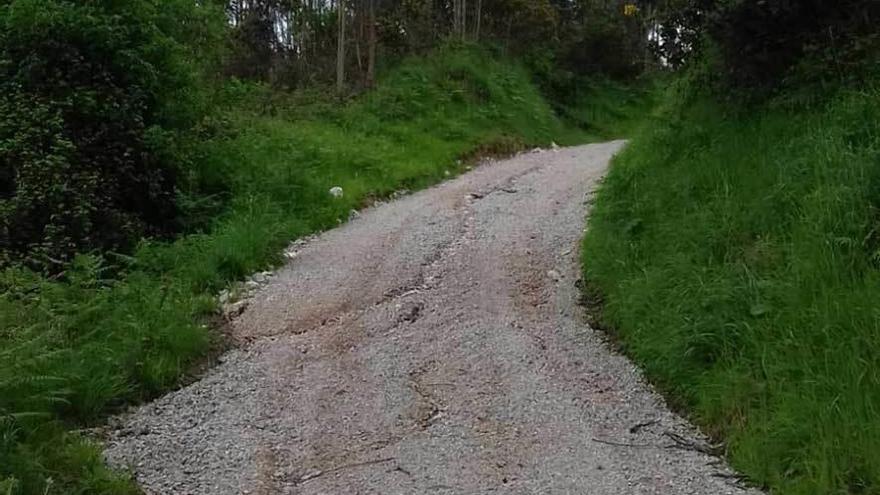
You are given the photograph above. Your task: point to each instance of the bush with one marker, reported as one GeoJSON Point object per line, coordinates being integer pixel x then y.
{"type": "Point", "coordinates": [761, 44]}
{"type": "Point", "coordinates": [762, 41]}
{"type": "Point", "coordinates": [86, 126]}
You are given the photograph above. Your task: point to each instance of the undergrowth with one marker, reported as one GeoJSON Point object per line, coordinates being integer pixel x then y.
{"type": "Point", "coordinates": [114, 330]}
{"type": "Point", "coordinates": [606, 109]}
{"type": "Point", "coordinates": [737, 253]}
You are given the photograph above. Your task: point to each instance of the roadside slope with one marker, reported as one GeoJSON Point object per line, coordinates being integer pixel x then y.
{"type": "Point", "coordinates": [737, 256]}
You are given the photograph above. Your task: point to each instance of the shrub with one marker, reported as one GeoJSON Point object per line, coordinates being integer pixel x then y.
{"type": "Point", "coordinates": [85, 126]}
{"type": "Point", "coordinates": [762, 41]}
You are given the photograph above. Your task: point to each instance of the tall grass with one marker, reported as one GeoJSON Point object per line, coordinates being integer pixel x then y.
{"type": "Point", "coordinates": [738, 253]}
{"type": "Point", "coordinates": [607, 109]}
{"type": "Point", "coordinates": [115, 330]}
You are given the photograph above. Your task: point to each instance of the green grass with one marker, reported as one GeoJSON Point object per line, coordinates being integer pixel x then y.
{"type": "Point", "coordinates": [738, 255]}
{"type": "Point", "coordinates": [116, 330]}
{"type": "Point", "coordinates": [607, 109]}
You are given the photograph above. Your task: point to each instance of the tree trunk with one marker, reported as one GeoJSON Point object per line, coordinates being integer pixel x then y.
{"type": "Point", "coordinates": [456, 18]}
{"type": "Point", "coordinates": [478, 20]}
{"type": "Point", "coordinates": [340, 47]}
{"type": "Point", "coordinates": [371, 46]}
{"type": "Point", "coordinates": [463, 23]}
{"type": "Point", "coordinates": [359, 16]}
{"type": "Point", "coordinates": [507, 37]}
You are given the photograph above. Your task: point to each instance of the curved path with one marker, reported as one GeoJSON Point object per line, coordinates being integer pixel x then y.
{"type": "Point", "coordinates": [431, 346]}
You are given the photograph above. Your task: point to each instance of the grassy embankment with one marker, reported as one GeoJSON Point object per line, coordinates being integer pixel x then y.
{"type": "Point", "coordinates": [120, 330]}
{"type": "Point", "coordinates": [606, 109]}
{"type": "Point", "coordinates": [738, 254]}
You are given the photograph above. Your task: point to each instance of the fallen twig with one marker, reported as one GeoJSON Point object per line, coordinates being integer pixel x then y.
{"type": "Point", "coordinates": [735, 477]}
{"type": "Point", "coordinates": [319, 473]}
{"type": "Point", "coordinates": [625, 444]}
{"type": "Point", "coordinates": [687, 444]}
{"type": "Point", "coordinates": [734, 480]}
{"type": "Point", "coordinates": [404, 471]}
{"type": "Point", "coordinates": [636, 427]}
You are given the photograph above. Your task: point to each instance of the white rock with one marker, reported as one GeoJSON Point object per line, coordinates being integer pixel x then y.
{"type": "Point", "coordinates": [224, 296]}
{"type": "Point", "coordinates": [336, 192]}
{"type": "Point", "coordinates": [353, 214]}
{"type": "Point", "coordinates": [554, 275]}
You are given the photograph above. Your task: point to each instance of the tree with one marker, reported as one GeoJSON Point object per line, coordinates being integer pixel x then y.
{"type": "Point", "coordinates": [459, 19]}
{"type": "Point", "coordinates": [479, 18]}
{"type": "Point", "coordinates": [340, 47]}
{"type": "Point", "coordinates": [371, 44]}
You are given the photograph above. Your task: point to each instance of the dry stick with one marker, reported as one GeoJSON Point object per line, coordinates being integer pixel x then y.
{"type": "Point", "coordinates": [404, 471]}
{"type": "Point", "coordinates": [620, 444]}
{"type": "Point", "coordinates": [318, 474]}
{"type": "Point", "coordinates": [684, 443]}
{"type": "Point", "coordinates": [636, 427]}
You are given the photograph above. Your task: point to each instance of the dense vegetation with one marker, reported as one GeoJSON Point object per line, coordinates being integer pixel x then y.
{"type": "Point", "coordinates": [152, 153]}
{"type": "Point", "coordinates": [734, 243]}
{"type": "Point", "coordinates": [90, 97]}
{"type": "Point", "coordinates": [102, 101]}
{"type": "Point", "coordinates": [82, 347]}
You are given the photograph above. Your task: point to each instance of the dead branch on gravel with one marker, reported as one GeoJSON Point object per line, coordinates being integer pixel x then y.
{"type": "Point", "coordinates": [319, 473]}
{"type": "Point", "coordinates": [638, 426]}
{"type": "Point", "coordinates": [626, 444]}
{"type": "Point", "coordinates": [681, 442]}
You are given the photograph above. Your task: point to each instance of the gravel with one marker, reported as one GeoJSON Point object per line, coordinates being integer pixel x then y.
{"type": "Point", "coordinates": [435, 345]}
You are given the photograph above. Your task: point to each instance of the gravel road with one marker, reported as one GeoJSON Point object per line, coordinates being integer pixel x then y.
{"type": "Point", "coordinates": [433, 345]}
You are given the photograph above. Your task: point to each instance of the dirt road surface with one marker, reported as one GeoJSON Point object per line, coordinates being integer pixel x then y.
{"type": "Point", "coordinates": [433, 345]}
